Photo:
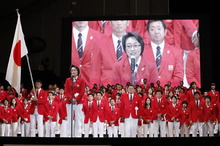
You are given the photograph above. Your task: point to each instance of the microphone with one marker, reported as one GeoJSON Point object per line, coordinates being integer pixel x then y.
{"type": "Point", "coordinates": [72, 76]}
{"type": "Point", "coordinates": [132, 63]}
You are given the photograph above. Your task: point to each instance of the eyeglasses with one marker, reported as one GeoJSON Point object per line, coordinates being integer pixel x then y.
{"type": "Point", "coordinates": [132, 46]}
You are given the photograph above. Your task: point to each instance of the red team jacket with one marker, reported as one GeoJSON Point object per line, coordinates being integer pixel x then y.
{"type": "Point", "coordinates": [5, 114]}
{"type": "Point", "coordinates": [171, 67]}
{"type": "Point", "coordinates": [184, 116]}
{"type": "Point", "coordinates": [89, 112]}
{"type": "Point", "coordinates": [197, 114]}
{"type": "Point", "coordinates": [42, 99]}
{"type": "Point", "coordinates": [78, 87]}
{"type": "Point", "coordinates": [128, 108]}
{"type": "Point", "coordinates": [147, 114]}
{"type": "Point", "coordinates": [51, 110]}
{"type": "Point", "coordinates": [122, 72]}
{"type": "Point", "coordinates": [173, 112]}
{"type": "Point", "coordinates": [112, 116]}
{"type": "Point", "coordinates": [25, 113]}
{"type": "Point", "coordinates": [157, 109]}
{"type": "Point", "coordinates": [101, 111]}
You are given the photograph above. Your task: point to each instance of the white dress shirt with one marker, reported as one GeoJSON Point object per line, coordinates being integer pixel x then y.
{"type": "Point", "coordinates": [154, 47]}
{"type": "Point", "coordinates": [84, 36]}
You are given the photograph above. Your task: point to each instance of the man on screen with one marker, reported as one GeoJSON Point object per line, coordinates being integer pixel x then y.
{"type": "Point", "coordinates": [110, 52]}
{"type": "Point", "coordinates": [168, 60]}
{"type": "Point", "coordinates": [84, 46]}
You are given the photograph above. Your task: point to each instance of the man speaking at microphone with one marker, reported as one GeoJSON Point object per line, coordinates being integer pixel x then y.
{"type": "Point", "coordinates": [74, 88]}
{"type": "Point", "coordinates": [133, 68]}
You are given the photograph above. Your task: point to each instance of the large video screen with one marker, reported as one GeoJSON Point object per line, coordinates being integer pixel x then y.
{"type": "Point", "coordinates": [122, 51]}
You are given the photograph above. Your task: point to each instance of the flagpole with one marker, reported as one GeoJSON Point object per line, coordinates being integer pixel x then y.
{"type": "Point", "coordinates": [32, 81]}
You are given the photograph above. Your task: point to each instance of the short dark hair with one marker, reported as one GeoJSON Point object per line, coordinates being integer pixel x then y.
{"type": "Point", "coordinates": [192, 84]}
{"type": "Point", "coordinates": [4, 100]}
{"type": "Point", "coordinates": [99, 93]}
{"type": "Point", "coordinates": [131, 85]}
{"type": "Point", "coordinates": [196, 93]}
{"type": "Point", "coordinates": [159, 91]}
{"type": "Point", "coordinates": [136, 36]}
{"type": "Point", "coordinates": [90, 94]}
{"type": "Point", "coordinates": [112, 99]}
{"type": "Point", "coordinates": [140, 93]}
{"type": "Point", "coordinates": [185, 102]}
{"type": "Point", "coordinates": [38, 80]}
{"type": "Point", "coordinates": [173, 97]}
{"type": "Point", "coordinates": [76, 67]}
{"type": "Point", "coordinates": [150, 21]}
{"type": "Point", "coordinates": [118, 94]}
{"type": "Point", "coordinates": [209, 97]}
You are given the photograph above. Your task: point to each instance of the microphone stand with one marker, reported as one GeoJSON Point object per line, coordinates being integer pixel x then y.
{"type": "Point", "coordinates": [72, 106]}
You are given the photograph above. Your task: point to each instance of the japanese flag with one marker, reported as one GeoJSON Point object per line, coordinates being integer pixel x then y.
{"type": "Point", "coordinates": [18, 50]}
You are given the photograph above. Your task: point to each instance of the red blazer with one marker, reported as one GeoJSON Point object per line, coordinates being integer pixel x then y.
{"type": "Point", "coordinates": [97, 25]}
{"type": "Point", "coordinates": [171, 68]}
{"type": "Point", "coordinates": [112, 116]}
{"type": "Point", "coordinates": [122, 72]}
{"type": "Point", "coordinates": [173, 112]}
{"type": "Point", "coordinates": [218, 111]}
{"type": "Point", "coordinates": [105, 58]}
{"type": "Point", "coordinates": [101, 111]}
{"type": "Point", "coordinates": [127, 108]}
{"type": "Point", "coordinates": [57, 98]}
{"type": "Point", "coordinates": [193, 67]}
{"type": "Point", "coordinates": [197, 114]}
{"type": "Point", "coordinates": [7, 115]}
{"type": "Point", "coordinates": [24, 92]}
{"type": "Point", "coordinates": [159, 109]}
{"type": "Point", "coordinates": [191, 96]}
{"type": "Point", "coordinates": [89, 112]}
{"type": "Point", "coordinates": [210, 112]}
{"type": "Point", "coordinates": [85, 64]}
{"type": "Point", "coordinates": [184, 116]}
{"type": "Point", "coordinates": [20, 101]}
{"type": "Point", "coordinates": [51, 111]}
{"type": "Point", "coordinates": [15, 112]}
{"type": "Point", "coordinates": [184, 97]}
{"type": "Point", "coordinates": [78, 87]}
{"type": "Point", "coordinates": [3, 95]}
{"type": "Point", "coordinates": [147, 114]}
{"type": "Point", "coordinates": [25, 113]}
{"type": "Point", "coordinates": [63, 112]}
{"type": "Point", "coordinates": [42, 99]}
{"type": "Point", "coordinates": [214, 97]}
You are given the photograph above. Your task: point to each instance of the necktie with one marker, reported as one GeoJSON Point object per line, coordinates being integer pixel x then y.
{"type": "Point", "coordinates": [159, 102]}
{"type": "Point", "coordinates": [89, 105]}
{"type": "Point", "coordinates": [80, 46]}
{"type": "Point", "coordinates": [112, 109]}
{"type": "Point", "coordinates": [158, 58]}
{"type": "Point", "coordinates": [130, 98]}
{"type": "Point", "coordinates": [50, 103]}
{"type": "Point", "coordinates": [98, 104]}
{"type": "Point", "coordinates": [37, 92]}
{"type": "Point", "coordinates": [103, 26]}
{"type": "Point", "coordinates": [117, 102]}
{"type": "Point", "coordinates": [197, 104]}
{"type": "Point", "coordinates": [61, 97]}
{"type": "Point", "coordinates": [119, 51]}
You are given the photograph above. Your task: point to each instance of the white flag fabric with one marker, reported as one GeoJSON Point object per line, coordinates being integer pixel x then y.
{"type": "Point", "coordinates": [18, 50]}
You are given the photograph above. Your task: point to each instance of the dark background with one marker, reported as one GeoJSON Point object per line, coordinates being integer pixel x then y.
{"type": "Point", "coordinates": [47, 29]}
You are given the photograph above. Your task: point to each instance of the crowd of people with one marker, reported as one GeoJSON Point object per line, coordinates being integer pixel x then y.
{"type": "Point", "coordinates": [111, 111]}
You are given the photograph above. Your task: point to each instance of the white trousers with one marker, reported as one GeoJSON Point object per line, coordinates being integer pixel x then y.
{"type": "Point", "coordinates": [40, 124]}
{"type": "Point", "coordinates": [98, 128]}
{"type": "Point", "coordinates": [159, 124]}
{"type": "Point", "coordinates": [173, 127]}
{"type": "Point", "coordinates": [122, 129]}
{"type": "Point", "coordinates": [63, 128]}
{"type": "Point", "coordinates": [197, 126]}
{"type": "Point", "coordinates": [112, 131]}
{"type": "Point", "coordinates": [50, 129]}
{"type": "Point", "coordinates": [208, 129]}
{"type": "Point", "coordinates": [87, 128]}
{"type": "Point", "coordinates": [130, 127]}
{"type": "Point", "coordinates": [25, 129]}
{"type": "Point", "coordinates": [78, 120]}
{"type": "Point", "coordinates": [14, 129]}
{"type": "Point", "coordinates": [5, 129]}
{"type": "Point", "coordinates": [68, 130]}
{"type": "Point", "coordinates": [148, 128]}
{"type": "Point", "coordinates": [184, 130]}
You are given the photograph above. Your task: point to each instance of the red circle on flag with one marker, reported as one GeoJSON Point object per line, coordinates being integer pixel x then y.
{"type": "Point", "coordinates": [17, 53]}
